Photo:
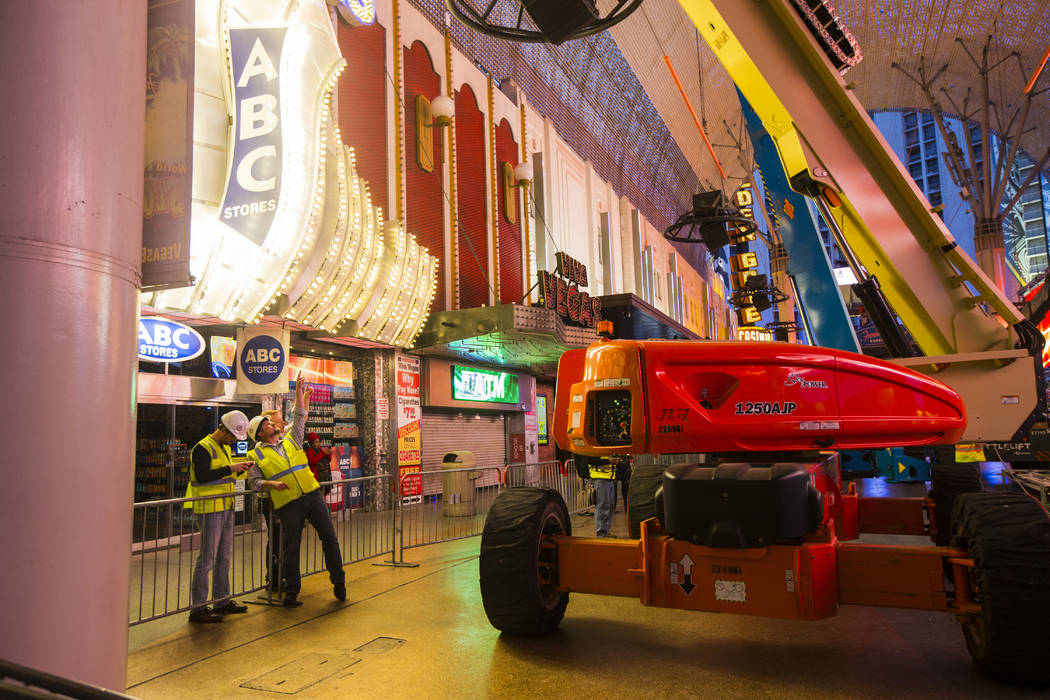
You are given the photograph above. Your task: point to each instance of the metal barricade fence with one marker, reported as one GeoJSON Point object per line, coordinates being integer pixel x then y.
{"type": "Point", "coordinates": [363, 534]}
{"type": "Point", "coordinates": [551, 475]}
{"type": "Point", "coordinates": [166, 543]}
{"type": "Point", "coordinates": [446, 504]}
{"type": "Point", "coordinates": [433, 506]}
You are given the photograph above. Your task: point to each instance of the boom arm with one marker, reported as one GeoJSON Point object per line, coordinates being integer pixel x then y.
{"type": "Point", "coordinates": [831, 150]}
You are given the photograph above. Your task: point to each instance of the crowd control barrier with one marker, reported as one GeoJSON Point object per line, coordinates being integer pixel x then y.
{"type": "Point", "coordinates": [446, 504]}
{"type": "Point", "coordinates": [418, 509]}
{"type": "Point", "coordinates": [551, 475]}
{"type": "Point", "coordinates": [166, 545]}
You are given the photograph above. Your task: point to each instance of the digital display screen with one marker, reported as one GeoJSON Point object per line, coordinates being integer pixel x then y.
{"type": "Point", "coordinates": [541, 419]}
{"type": "Point", "coordinates": [613, 409]}
{"type": "Point", "coordinates": [223, 351]}
{"type": "Point", "coordinates": [469, 384]}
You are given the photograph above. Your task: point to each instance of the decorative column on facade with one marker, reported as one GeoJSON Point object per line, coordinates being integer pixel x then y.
{"type": "Point", "coordinates": [399, 114]}
{"type": "Point", "coordinates": [494, 198]}
{"type": "Point", "coordinates": [525, 207]}
{"type": "Point", "coordinates": [453, 226]}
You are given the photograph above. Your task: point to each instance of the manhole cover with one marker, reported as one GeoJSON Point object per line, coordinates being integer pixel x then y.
{"type": "Point", "coordinates": [380, 645]}
{"type": "Point", "coordinates": [305, 671]}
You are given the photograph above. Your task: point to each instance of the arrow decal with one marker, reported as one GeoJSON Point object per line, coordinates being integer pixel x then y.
{"type": "Point", "coordinates": [687, 570]}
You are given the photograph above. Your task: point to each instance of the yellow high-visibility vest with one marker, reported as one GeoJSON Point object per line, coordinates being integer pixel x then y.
{"type": "Point", "coordinates": [293, 470]}
{"type": "Point", "coordinates": [220, 457]}
{"type": "Point", "coordinates": [602, 470]}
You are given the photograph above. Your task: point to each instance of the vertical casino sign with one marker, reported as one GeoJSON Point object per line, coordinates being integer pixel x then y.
{"type": "Point", "coordinates": [253, 185]}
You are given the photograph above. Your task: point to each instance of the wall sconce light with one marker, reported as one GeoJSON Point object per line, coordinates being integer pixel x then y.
{"type": "Point", "coordinates": [523, 174]}
{"type": "Point", "coordinates": [442, 109]}
{"type": "Point", "coordinates": [514, 177]}
{"type": "Point", "coordinates": [429, 114]}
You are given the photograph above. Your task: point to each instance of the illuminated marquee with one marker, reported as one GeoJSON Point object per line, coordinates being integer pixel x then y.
{"type": "Point", "coordinates": [745, 202]}
{"type": "Point", "coordinates": [282, 225]}
{"type": "Point", "coordinates": [356, 12]}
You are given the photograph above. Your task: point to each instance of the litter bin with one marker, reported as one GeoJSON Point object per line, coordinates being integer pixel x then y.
{"type": "Point", "coordinates": [457, 488]}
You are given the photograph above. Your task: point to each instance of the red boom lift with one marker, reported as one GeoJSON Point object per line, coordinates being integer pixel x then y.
{"type": "Point", "coordinates": [769, 537]}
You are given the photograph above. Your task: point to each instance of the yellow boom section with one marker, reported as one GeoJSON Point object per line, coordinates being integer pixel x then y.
{"type": "Point", "coordinates": [826, 140]}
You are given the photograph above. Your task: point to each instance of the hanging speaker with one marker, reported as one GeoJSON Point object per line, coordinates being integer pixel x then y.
{"type": "Point", "coordinates": [714, 236]}
{"type": "Point", "coordinates": [709, 205]}
{"type": "Point", "coordinates": [558, 20]}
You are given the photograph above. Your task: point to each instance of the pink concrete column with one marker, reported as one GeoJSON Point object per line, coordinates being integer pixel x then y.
{"type": "Point", "coordinates": [71, 151]}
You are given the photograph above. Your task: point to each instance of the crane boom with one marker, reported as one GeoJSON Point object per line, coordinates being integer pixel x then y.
{"type": "Point", "coordinates": [831, 150]}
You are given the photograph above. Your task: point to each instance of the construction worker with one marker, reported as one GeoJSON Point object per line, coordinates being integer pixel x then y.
{"type": "Point", "coordinates": [282, 467]}
{"type": "Point", "coordinates": [602, 472]}
{"type": "Point", "coordinates": [273, 525]}
{"type": "Point", "coordinates": [212, 472]}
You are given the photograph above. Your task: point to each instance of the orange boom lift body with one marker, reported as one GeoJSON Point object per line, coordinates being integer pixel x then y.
{"type": "Point", "coordinates": [755, 538]}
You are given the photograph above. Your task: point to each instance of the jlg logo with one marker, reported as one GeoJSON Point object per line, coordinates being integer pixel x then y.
{"type": "Point", "coordinates": [795, 379]}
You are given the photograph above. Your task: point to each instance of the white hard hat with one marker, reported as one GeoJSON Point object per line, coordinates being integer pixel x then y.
{"type": "Point", "coordinates": [236, 422]}
{"type": "Point", "coordinates": [253, 427]}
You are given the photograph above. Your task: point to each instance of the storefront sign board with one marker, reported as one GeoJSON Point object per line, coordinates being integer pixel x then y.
{"type": "Point", "coordinates": [161, 340]}
{"type": "Point", "coordinates": [409, 427]}
{"type": "Point", "coordinates": [262, 357]}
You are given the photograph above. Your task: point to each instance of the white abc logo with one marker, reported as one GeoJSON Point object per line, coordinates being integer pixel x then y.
{"type": "Point", "coordinates": [262, 355]}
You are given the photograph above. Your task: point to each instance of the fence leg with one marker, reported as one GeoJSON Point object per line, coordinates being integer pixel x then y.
{"type": "Point", "coordinates": [273, 543]}
{"type": "Point", "coordinates": [397, 531]}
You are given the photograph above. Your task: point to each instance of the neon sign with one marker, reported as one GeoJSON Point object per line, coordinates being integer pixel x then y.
{"type": "Point", "coordinates": [161, 340]}
{"type": "Point", "coordinates": [469, 384]}
{"type": "Point", "coordinates": [752, 334]}
{"type": "Point", "coordinates": [564, 295]}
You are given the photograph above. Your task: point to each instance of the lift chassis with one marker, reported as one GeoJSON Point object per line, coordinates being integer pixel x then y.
{"type": "Point", "coordinates": [806, 581]}
{"type": "Point", "coordinates": [768, 529]}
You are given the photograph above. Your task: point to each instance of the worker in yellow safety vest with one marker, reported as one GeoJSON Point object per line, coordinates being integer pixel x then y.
{"type": "Point", "coordinates": [602, 472]}
{"type": "Point", "coordinates": [282, 468]}
{"type": "Point", "coordinates": [212, 473]}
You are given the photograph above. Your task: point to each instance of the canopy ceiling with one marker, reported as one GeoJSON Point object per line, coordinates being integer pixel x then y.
{"type": "Point", "coordinates": [899, 31]}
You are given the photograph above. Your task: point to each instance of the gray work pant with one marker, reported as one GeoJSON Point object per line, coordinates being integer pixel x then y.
{"type": "Point", "coordinates": [604, 504]}
{"type": "Point", "coordinates": [216, 552]}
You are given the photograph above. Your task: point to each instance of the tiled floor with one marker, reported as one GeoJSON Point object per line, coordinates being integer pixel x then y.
{"type": "Point", "coordinates": [422, 633]}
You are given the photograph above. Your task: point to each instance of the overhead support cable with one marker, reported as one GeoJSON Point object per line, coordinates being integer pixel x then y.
{"type": "Point", "coordinates": [696, 119]}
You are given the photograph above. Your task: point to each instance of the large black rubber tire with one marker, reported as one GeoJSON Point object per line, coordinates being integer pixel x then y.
{"type": "Point", "coordinates": [947, 481]}
{"type": "Point", "coordinates": [518, 577]}
{"type": "Point", "coordinates": [641, 496]}
{"type": "Point", "coordinates": [1008, 536]}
